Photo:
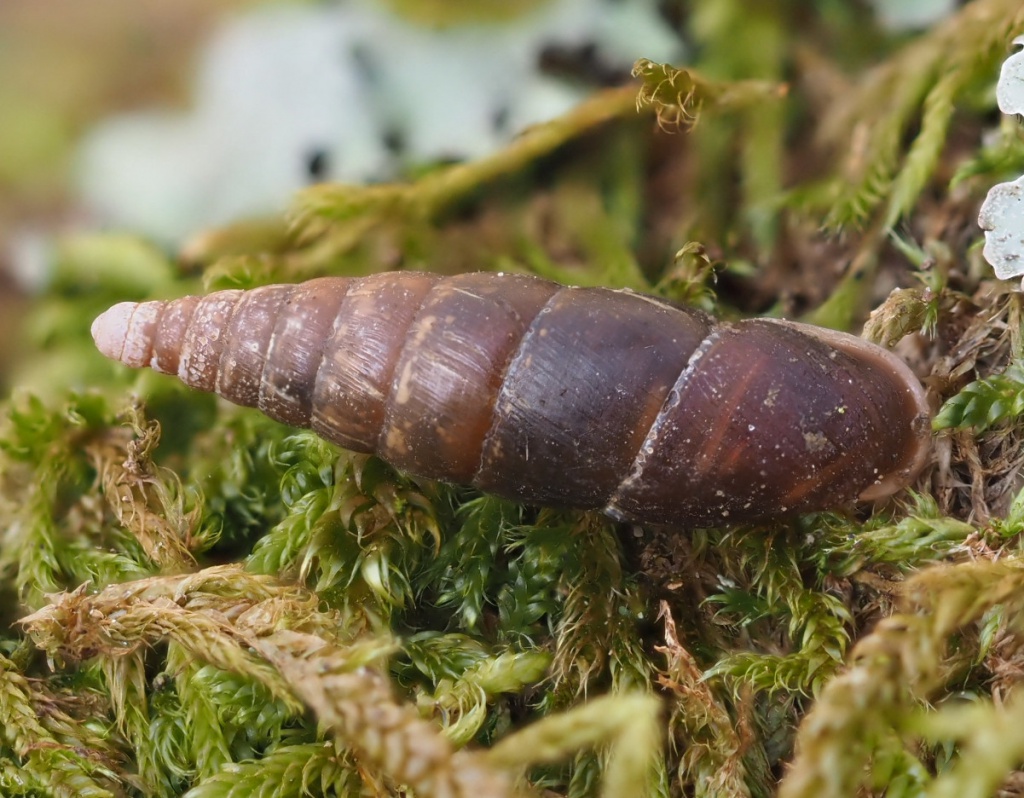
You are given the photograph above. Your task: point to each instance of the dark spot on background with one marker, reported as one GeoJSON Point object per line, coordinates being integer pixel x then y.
{"type": "Point", "coordinates": [394, 140]}
{"type": "Point", "coordinates": [500, 118]}
{"type": "Point", "coordinates": [363, 61]}
{"type": "Point", "coordinates": [317, 163]}
{"type": "Point", "coordinates": [582, 63]}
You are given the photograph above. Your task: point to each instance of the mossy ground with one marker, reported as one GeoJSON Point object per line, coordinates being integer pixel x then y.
{"type": "Point", "coordinates": [199, 601]}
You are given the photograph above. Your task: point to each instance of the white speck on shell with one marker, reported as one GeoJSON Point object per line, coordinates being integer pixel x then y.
{"type": "Point", "coordinates": [111, 328]}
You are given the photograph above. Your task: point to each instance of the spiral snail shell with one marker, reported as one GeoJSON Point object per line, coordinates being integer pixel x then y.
{"type": "Point", "coordinates": [581, 397]}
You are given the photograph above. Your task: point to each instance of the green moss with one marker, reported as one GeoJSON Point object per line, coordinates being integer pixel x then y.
{"type": "Point", "coordinates": [211, 604]}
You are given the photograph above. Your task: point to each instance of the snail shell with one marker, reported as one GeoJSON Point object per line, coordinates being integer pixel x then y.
{"type": "Point", "coordinates": [580, 397]}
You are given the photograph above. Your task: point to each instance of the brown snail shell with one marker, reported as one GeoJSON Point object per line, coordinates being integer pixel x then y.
{"type": "Point", "coordinates": [582, 397]}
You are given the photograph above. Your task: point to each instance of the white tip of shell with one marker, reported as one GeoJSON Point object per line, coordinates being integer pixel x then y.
{"type": "Point", "coordinates": [110, 329]}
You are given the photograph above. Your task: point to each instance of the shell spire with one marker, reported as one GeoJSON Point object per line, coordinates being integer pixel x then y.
{"type": "Point", "coordinates": [110, 332]}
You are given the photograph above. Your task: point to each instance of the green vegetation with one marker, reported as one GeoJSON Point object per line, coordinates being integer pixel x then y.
{"type": "Point", "coordinates": [199, 601]}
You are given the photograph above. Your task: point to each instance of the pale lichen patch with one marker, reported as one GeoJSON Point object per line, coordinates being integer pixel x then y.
{"type": "Point", "coordinates": [815, 441]}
